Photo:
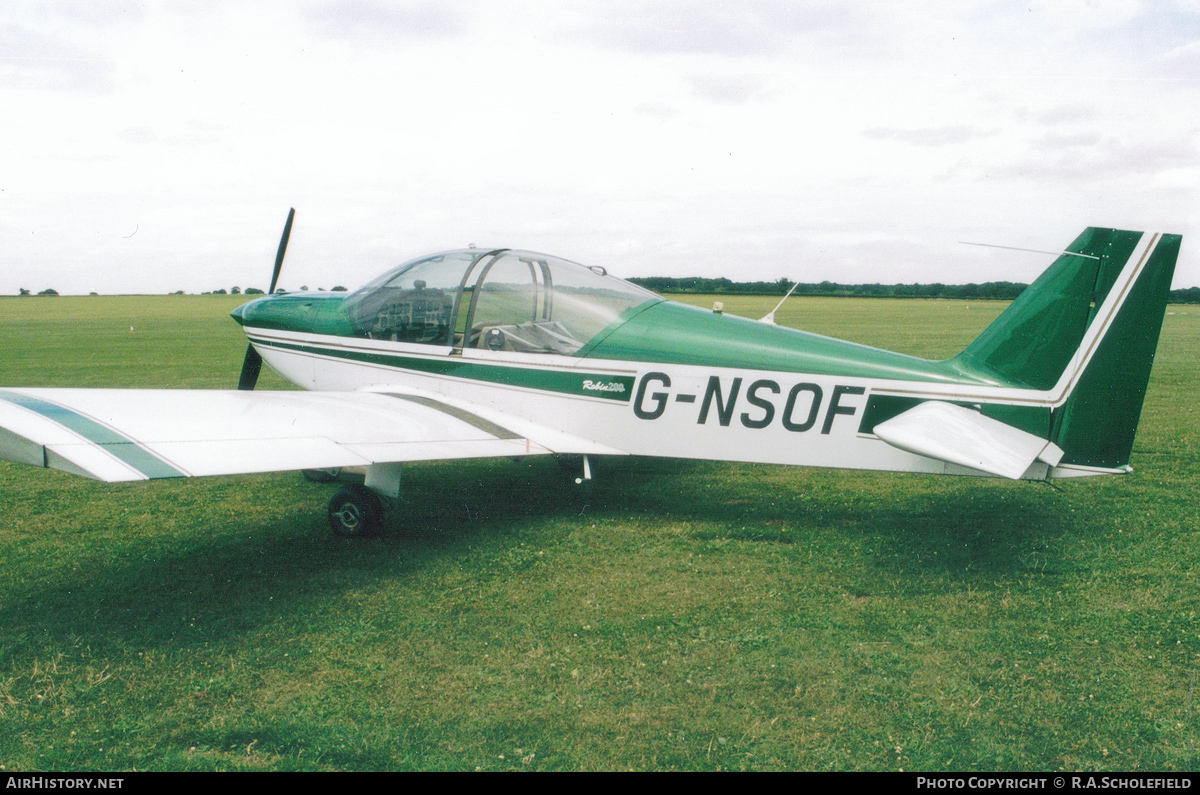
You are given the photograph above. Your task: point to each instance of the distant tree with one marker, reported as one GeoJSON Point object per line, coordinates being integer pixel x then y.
{"type": "Point", "coordinates": [1187, 295]}
{"type": "Point", "coordinates": [24, 291]}
{"type": "Point", "coordinates": [280, 291]}
{"type": "Point", "coordinates": [179, 292]}
{"type": "Point", "coordinates": [338, 289]}
{"type": "Point", "coordinates": [219, 292]}
{"type": "Point", "coordinates": [988, 290]}
{"type": "Point", "coordinates": [93, 292]}
{"type": "Point", "coordinates": [304, 288]}
{"type": "Point", "coordinates": [253, 291]}
{"type": "Point", "coordinates": [48, 291]}
{"type": "Point", "coordinates": [321, 289]}
{"type": "Point", "coordinates": [235, 290]}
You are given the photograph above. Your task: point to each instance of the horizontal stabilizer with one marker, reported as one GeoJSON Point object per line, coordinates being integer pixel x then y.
{"type": "Point", "coordinates": [958, 435]}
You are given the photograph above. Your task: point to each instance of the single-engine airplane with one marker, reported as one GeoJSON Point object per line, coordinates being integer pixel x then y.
{"type": "Point", "coordinates": [503, 353]}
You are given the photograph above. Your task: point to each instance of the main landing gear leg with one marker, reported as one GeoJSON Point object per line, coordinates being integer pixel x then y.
{"type": "Point", "coordinates": [357, 511]}
{"type": "Point", "coordinates": [572, 463]}
{"type": "Point", "coordinates": [587, 472]}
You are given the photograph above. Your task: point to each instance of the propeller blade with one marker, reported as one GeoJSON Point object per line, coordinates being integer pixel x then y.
{"type": "Point", "coordinates": [252, 364]}
{"type": "Point", "coordinates": [250, 367]}
{"type": "Point", "coordinates": [283, 241]}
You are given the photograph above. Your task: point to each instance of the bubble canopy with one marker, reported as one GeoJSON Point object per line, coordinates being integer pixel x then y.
{"type": "Point", "coordinates": [499, 300]}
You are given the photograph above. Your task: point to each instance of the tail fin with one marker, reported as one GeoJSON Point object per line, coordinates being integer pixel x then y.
{"type": "Point", "coordinates": [1086, 330]}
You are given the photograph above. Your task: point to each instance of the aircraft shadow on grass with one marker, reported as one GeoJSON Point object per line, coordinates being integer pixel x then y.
{"type": "Point", "coordinates": [256, 573]}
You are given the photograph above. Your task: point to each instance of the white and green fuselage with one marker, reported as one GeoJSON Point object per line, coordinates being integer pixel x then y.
{"type": "Point", "coordinates": [509, 338]}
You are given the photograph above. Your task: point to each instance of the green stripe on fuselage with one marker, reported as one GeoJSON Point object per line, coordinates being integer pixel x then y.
{"type": "Point", "coordinates": [121, 447]}
{"type": "Point", "coordinates": [597, 385]}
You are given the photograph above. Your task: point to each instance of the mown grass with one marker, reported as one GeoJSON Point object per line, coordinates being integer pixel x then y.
{"type": "Point", "coordinates": [673, 615]}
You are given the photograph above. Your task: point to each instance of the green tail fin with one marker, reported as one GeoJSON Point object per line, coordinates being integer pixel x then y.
{"type": "Point", "coordinates": [1032, 341]}
{"type": "Point", "coordinates": [1096, 426]}
{"type": "Point", "coordinates": [1088, 325]}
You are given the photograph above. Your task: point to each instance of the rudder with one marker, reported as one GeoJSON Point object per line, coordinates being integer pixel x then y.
{"type": "Point", "coordinates": [1096, 425]}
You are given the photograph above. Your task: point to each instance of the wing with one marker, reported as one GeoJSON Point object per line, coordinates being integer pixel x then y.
{"type": "Point", "coordinates": [137, 434]}
{"type": "Point", "coordinates": [961, 436]}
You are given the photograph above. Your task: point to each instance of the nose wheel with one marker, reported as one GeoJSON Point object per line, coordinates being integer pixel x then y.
{"type": "Point", "coordinates": [355, 512]}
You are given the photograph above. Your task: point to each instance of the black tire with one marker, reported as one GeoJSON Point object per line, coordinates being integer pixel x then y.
{"type": "Point", "coordinates": [355, 512]}
{"type": "Point", "coordinates": [321, 475]}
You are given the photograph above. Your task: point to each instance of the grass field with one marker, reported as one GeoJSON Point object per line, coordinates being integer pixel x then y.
{"type": "Point", "coordinates": [673, 615]}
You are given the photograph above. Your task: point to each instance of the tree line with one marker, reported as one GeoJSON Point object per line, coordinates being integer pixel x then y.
{"type": "Point", "coordinates": [999, 291]}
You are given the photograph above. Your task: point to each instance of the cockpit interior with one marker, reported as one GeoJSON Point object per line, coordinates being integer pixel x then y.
{"type": "Point", "coordinates": [499, 300]}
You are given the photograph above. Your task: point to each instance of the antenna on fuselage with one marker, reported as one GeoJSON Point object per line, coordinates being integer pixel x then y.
{"type": "Point", "coordinates": [769, 318]}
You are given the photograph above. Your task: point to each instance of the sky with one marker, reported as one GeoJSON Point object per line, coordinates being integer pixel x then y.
{"type": "Point", "coordinates": [150, 147]}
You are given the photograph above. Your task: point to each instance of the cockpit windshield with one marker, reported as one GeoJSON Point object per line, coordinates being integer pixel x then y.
{"type": "Point", "coordinates": [500, 300]}
{"type": "Point", "coordinates": [414, 302]}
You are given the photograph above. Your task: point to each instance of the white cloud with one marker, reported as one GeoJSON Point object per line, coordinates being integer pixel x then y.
{"type": "Point", "coordinates": [385, 23]}
{"type": "Point", "coordinates": [754, 28]}
{"type": "Point", "coordinates": [931, 136]}
{"type": "Point", "coordinates": [1182, 61]}
{"type": "Point", "coordinates": [48, 60]}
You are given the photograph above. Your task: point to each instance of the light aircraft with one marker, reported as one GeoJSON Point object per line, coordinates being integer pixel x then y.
{"type": "Point", "coordinates": [504, 353]}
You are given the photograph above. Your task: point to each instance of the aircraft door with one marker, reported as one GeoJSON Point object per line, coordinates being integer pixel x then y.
{"type": "Point", "coordinates": [514, 310]}
{"type": "Point", "coordinates": [508, 299]}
